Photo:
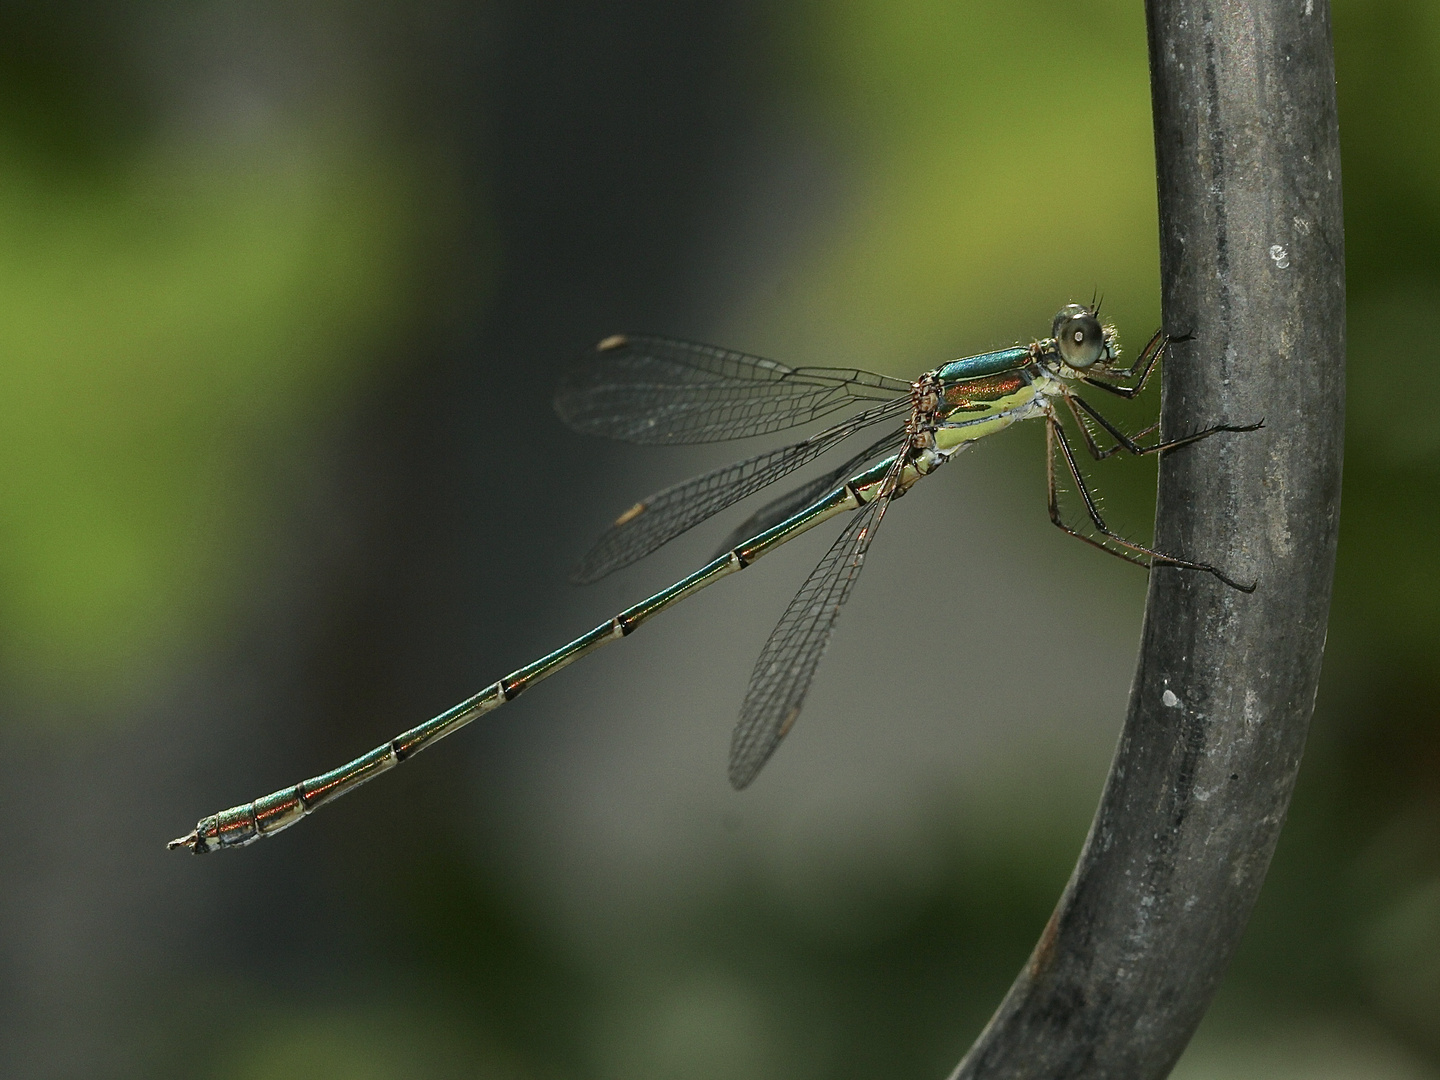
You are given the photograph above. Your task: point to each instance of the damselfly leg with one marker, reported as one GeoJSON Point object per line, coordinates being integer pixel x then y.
{"type": "Point", "coordinates": [1128, 550]}
{"type": "Point", "coordinates": [1127, 443]}
{"type": "Point", "coordinates": [1144, 364]}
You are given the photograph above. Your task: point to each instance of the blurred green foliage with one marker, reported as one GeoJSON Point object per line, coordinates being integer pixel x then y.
{"type": "Point", "coordinates": [176, 317]}
{"type": "Point", "coordinates": [999, 167]}
{"type": "Point", "coordinates": [171, 325]}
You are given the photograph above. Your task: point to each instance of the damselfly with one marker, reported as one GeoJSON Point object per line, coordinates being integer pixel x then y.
{"type": "Point", "coordinates": [658, 391]}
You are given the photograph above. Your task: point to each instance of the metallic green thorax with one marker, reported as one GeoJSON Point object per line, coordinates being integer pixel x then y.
{"type": "Point", "coordinates": [981, 395]}
{"type": "Point", "coordinates": [992, 363]}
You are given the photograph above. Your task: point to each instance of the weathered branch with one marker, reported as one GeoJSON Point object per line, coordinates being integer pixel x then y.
{"type": "Point", "coordinates": [1252, 261]}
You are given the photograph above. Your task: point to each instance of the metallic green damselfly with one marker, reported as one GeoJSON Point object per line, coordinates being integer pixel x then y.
{"type": "Point", "coordinates": [658, 391]}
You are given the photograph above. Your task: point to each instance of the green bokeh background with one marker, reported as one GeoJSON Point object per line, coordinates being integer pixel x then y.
{"type": "Point", "coordinates": [194, 313]}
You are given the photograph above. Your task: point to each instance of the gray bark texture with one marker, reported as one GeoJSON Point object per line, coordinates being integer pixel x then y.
{"type": "Point", "coordinates": [1252, 262]}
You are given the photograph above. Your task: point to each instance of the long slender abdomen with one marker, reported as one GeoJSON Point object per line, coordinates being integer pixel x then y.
{"type": "Point", "coordinates": [244, 824]}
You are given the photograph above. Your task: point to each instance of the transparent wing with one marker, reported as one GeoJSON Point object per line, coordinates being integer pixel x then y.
{"type": "Point", "coordinates": [666, 514]}
{"type": "Point", "coordinates": [656, 390]}
{"type": "Point", "coordinates": [787, 663]}
{"type": "Point", "coordinates": [792, 502]}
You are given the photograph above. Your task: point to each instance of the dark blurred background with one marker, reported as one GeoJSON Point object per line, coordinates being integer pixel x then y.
{"type": "Point", "coordinates": [284, 291]}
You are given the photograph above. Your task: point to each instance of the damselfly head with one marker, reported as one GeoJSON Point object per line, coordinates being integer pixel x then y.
{"type": "Point", "coordinates": [1082, 341]}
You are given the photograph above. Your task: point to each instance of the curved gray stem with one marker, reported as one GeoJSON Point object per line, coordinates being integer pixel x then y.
{"type": "Point", "coordinates": [1252, 261]}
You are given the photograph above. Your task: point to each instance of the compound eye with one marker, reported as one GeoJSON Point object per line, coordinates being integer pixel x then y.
{"type": "Point", "coordinates": [1080, 339]}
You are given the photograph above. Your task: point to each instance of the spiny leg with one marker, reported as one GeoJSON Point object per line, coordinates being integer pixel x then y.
{"type": "Point", "coordinates": [1052, 428]}
{"type": "Point", "coordinates": [1127, 443]}
{"type": "Point", "coordinates": [1149, 356]}
{"type": "Point", "coordinates": [1089, 436]}
{"type": "Point", "coordinates": [1135, 553]}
